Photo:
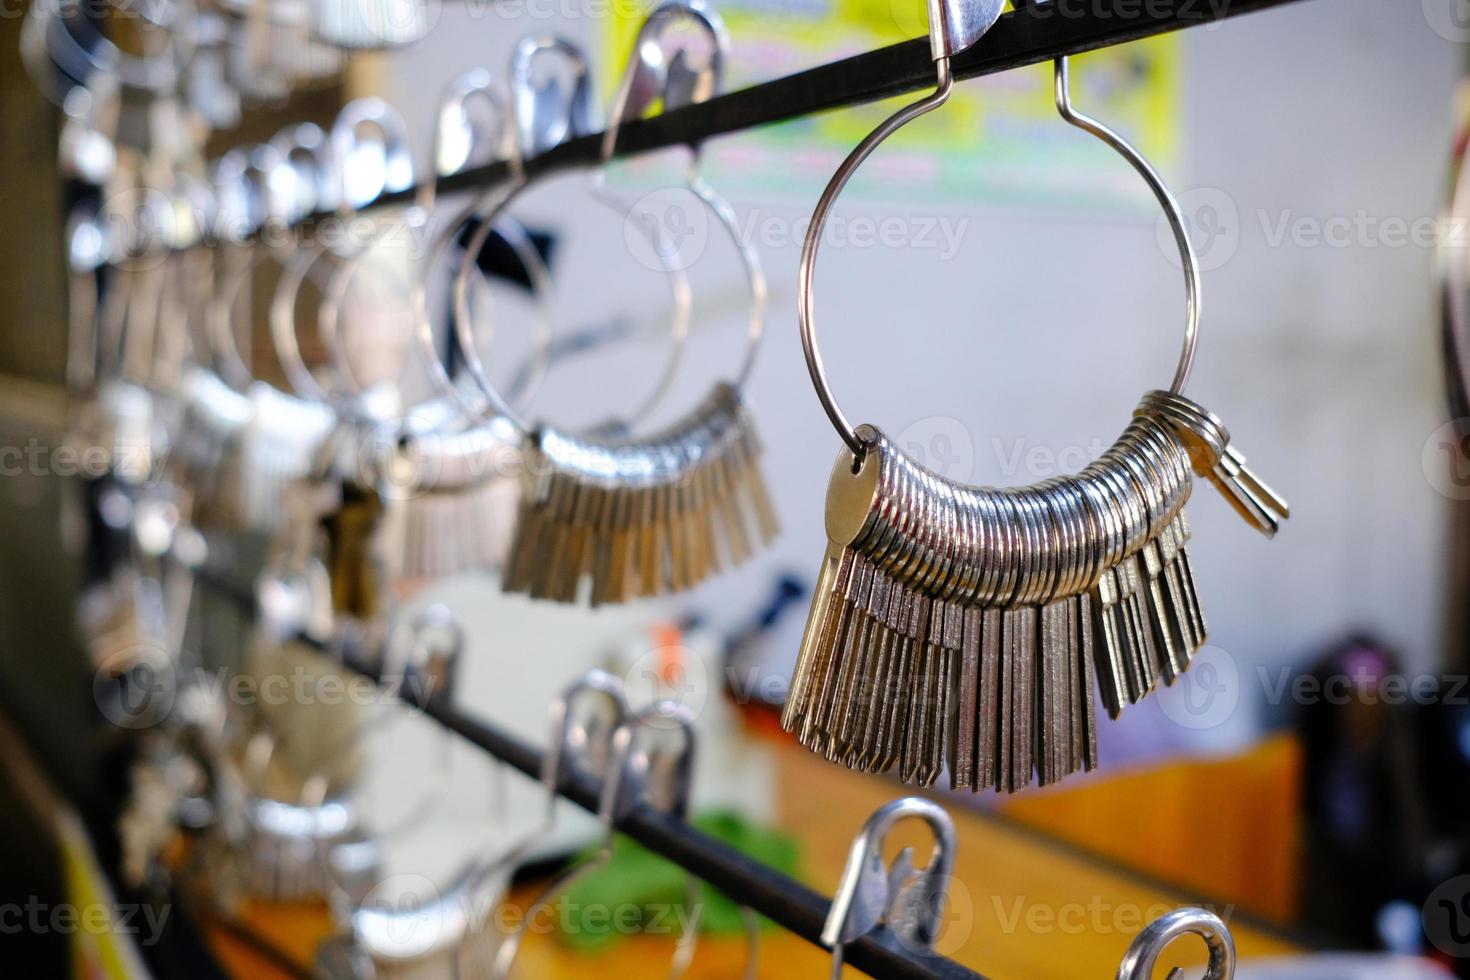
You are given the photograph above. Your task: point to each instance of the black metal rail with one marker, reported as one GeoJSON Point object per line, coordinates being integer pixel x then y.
{"type": "Point", "coordinates": [1031, 34]}
{"type": "Point", "coordinates": [784, 901]}
{"type": "Point", "coordinates": [787, 902]}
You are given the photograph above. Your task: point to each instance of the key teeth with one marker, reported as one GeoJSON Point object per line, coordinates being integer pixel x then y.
{"type": "Point", "coordinates": [893, 677]}
{"type": "Point", "coordinates": [581, 535]}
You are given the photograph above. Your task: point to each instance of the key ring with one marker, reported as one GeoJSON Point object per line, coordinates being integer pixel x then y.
{"type": "Point", "coordinates": [944, 43]}
{"type": "Point", "coordinates": [249, 199]}
{"type": "Point", "coordinates": [651, 764]}
{"type": "Point", "coordinates": [654, 75]}
{"type": "Point", "coordinates": [478, 83]}
{"type": "Point", "coordinates": [1008, 606]}
{"type": "Point", "coordinates": [544, 118]}
{"type": "Point", "coordinates": [289, 189]}
{"type": "Point", "coordinates": [397, 176]}
{"type": "Point", "coordinates": [334, 158]}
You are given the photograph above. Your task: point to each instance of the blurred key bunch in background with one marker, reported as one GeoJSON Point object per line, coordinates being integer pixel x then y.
{"type": "Point", "coordinates": [735, 488]}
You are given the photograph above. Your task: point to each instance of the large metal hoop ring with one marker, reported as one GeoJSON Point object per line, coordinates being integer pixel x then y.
{"type": "Point", "coordinates": [806, 273]}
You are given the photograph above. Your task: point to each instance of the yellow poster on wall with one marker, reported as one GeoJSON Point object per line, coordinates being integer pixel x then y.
{"type": "Point", "coordinates": [999, 140]}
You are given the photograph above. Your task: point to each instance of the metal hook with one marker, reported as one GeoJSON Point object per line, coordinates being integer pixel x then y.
{"type": "Point", "coordinates": [547, 113]}
{"type": "Point", "coordinates": [248, 197]}
{"type": "Point", "coordinates": [307, 153]}
{"type": "Point", "coordinates": [397, 175]}
{"type": "Point", "coordinates": [341, 148]}
{"type": "Point", "coordinates": [909, 900]}
{"type": "Point", "coordinates": [584, 719]}
{"type": "Point", "coordinates": [1143, 953]}
{"type": "Point", "coordinates": [282, 320]}
{"type": "Point", "coordinates": [452, 113]}
{"type": "Point", "coordinates": [644, 770]}
{"type": "Point", "coordinates": [451, 155]}
{"type": "Point", "coordinates": [653, 76]}
{"type": "Point", "coordinates": [389, 934]}
{"type": "Point", "coordinates": [430, 669]}
{"type": "Point", "coordinates": [305, 180]}
{"type": "Point", "coordinates": [1188, 261]}
{"type": "Point", "coordinates": [397, 168]}
{"type": "Point", "coordinates": [953, 26]}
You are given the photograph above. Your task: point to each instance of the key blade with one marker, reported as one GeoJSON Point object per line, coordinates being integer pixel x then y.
{"type": "Point", "coordinates": [1251, 509]}
{"type": "Point", "coordinates": [1258, 487]}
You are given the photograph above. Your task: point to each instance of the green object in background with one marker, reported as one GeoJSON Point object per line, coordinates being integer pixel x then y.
{"type": "Point", "coordinates": [639, 892]}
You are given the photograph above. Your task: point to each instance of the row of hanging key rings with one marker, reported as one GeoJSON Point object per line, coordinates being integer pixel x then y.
{"type": "Point", "coordinates": [1132, 955]}
{"type": "Point", "coordinates": [232, 426]}
{"type": "Point", "coordinates": [216, 56]}
{"type": "Point", "coordinates": [962, 628]}
{"type": "Point", "coordinates": [129, 306]}
{"type": "Point", "coordinates": [635, 515]}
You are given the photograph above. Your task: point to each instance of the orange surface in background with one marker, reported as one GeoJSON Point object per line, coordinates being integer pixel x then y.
{"type": "Point", "coordinates": [1023, 907]}
{"type": "Point", "coordinates": [1226, 828]}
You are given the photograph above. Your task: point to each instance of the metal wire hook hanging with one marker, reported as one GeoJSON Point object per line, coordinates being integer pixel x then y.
{"type": "Point", "coordinates": [464, 88]}
{"type": "Point", "coordinates": [633, 776]}
{"type": "Point", "coordinates": [546, 116]}
{"type": "Point", "coordinates": [653, 75]}
{"type": "Point", "coordinates": [314, 186]}
{"type": "Point", "coordinates": [910, 899]}
{"type": "Point", "coordinates": [307, 153]}
{"type": "Point", "coordinates": [397, 176]}
{"type": "Point", "coordinates": [1188, 260]}
{"type": "Point", "coordinates": [955, 25]}
{"type": "Point", "coordinates": [806, 272]}
{"type": "Point", "coordinates": [335, 155]}
{"type": "Point", "coordinates": [249, 199]}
